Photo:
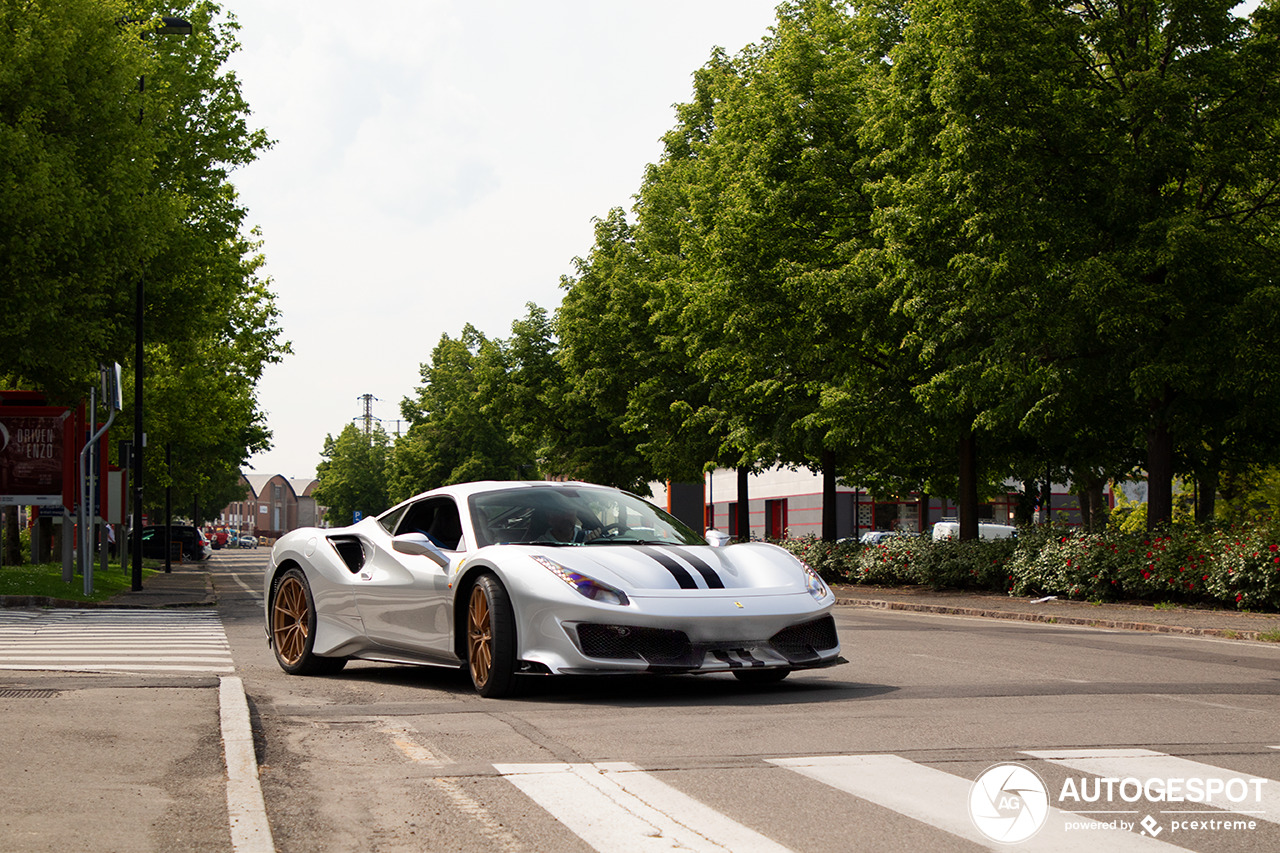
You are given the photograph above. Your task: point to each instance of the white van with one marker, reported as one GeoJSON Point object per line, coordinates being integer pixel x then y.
{"type": "Point", "coordinates": [986, 530]}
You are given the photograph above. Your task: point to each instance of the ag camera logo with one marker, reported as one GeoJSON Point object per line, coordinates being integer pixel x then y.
{"type": "Point", "coordinates": [1009, 803]}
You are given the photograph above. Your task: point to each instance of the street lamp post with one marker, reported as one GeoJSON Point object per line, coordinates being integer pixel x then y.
{"type": "Point", "coordinates": [167, 26]}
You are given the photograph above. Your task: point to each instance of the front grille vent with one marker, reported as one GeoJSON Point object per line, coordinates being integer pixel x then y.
{"type": "Point", "coordinates": [803, 642]}
{"type": "Point", "coordinates": [624, 642]}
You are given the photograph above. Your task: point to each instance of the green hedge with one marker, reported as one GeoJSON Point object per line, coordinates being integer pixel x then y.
{"type": "Point", "coordinates": [1235, 567]}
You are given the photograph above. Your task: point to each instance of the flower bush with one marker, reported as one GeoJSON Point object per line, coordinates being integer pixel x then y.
{"type": "Point", "coordinates": [828, 559]}
{"type": "Point", "coordinates": [1236, 567]}
{"type": "Point", "coordinates": [1245, 570]}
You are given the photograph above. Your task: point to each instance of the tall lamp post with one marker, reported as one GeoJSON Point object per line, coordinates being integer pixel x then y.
{"type": "Point", "coordinates": [175, 27]}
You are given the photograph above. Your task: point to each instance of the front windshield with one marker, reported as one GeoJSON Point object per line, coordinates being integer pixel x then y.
{"type": "Point", "coordinates": [570, 515]}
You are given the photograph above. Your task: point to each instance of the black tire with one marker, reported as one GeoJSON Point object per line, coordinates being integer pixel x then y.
{"type": "Point", "coordinates": [491, 638]}
{"type": "Point", "coordinates": [760, 676]}
{"type": "Point", "coordinates": [293, 628]}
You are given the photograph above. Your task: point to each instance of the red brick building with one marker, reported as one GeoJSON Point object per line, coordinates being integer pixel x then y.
{"type": "Point", "coordinates": [273, 505]}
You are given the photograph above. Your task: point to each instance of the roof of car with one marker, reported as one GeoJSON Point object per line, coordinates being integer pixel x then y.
{"type": "Point", "coordinates": [465, 490]}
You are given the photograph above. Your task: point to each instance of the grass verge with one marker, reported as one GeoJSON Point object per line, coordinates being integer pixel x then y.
{"type": "Point", "coordinates": [45, 579]}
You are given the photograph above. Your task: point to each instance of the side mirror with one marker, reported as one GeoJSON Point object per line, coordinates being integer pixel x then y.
{"type": "Point", "coordinates": [717, 539]}
{"type": "Point", "coordinates": [418, 545]}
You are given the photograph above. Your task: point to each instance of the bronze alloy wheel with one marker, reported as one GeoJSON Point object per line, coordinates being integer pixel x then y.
{"type": "Point", "coordinates": [479, 637]}
{"type": "Point", "coordinates": [491, 638]}
{"type": "Point", "coordinates": [293, 627]}
{"type": "Point", "coordinates": [291, 620]}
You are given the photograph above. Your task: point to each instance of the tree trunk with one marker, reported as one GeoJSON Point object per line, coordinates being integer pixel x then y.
{"type": "Point", "coordinates": [42, 540]}
{"type": "Point", "coordinates": [1159, 477]}
{"type": "Point", "coordinates": [1093, 508]}
{"type": "Point", "coordinates": [1086, 511]}
{"type": "Point", "coordinates": [968, 486]}
{"type": "Point", "coordinates": [1025, 512]}
{"type": "Point", "coordinates": [829, 533]}
{"type": "Point", "coordinates": [12, 545]}
{"type": "Point", "coordinates": [1207, 495]}
{"type": "Point", "coordinates": [744, 506]}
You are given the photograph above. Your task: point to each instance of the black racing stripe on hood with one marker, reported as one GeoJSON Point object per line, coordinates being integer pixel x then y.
{"type": "Point", "coordinates": [677, 571]}
{"type": "Point", "coordinates": [708, 574]}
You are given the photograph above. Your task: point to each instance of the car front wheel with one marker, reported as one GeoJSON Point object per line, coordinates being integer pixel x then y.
{"type": "Point", "coordinates": [491, 638]}
{"type": "Point", "coordinates": [293, 628]}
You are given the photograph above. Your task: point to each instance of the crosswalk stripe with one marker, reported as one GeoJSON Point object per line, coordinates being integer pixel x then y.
{"type": "Point", "coordinates": [614, 807]}
{"type": "Point", "coordinates": [940, 799]}
{"type": "Point", "coordinates": [106, 640]}
{"type": "Point", "coordinates": [1144, 764]}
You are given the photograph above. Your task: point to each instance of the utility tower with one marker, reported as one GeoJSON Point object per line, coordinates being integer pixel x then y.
{"type": "Point", "coordinates": [368, 417]}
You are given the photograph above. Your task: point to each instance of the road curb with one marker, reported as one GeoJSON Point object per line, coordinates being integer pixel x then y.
{"type": "Point", "coordinates": [250, 829]}
{"type": "Point", "coordinates": [29, 601]}
{"type": "Point", "coordinates": [1045, 618]}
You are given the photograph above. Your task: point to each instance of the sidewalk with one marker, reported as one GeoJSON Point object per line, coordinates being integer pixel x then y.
{"type": "Point", "coordinates": [188, 585]}
{"type": "Point", "coordinates": [1228, 624]}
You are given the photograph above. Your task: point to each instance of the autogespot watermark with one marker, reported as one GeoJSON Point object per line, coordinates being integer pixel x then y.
{"type": "Point", "coordinates": [1010, 803]}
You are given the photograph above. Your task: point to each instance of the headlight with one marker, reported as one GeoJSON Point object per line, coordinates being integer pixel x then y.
{"type": "Point", "coordinates": [814, 583]}
{"type": "Point", "coordinates": [589, 587]}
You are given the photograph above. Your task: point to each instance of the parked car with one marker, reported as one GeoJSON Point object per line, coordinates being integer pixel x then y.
{"type": "Point", "coordinates": [194, 545]}
{"type": "Point", "coordinates": [507, 579]}
{"type": "Point", "coordinates": [247, 542]}
{"type": "Point", "coordinates": [986, 530]}
{"type": "Point", "coordinates": [875, 537]}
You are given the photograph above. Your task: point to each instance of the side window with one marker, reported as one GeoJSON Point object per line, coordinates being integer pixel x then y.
{"type": "Point", "coordinates": [437, 518]}
{"type": "Point", "coordinates": [390, 518]}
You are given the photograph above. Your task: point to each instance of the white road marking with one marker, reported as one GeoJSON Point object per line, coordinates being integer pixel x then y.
{"type": "Point", "coordinates": [114, 640]}
{"type": "Point", "coordinates": [1261, 801]}
{"type": "Point", "coordinates": [940, 799]}
{"type": "Point", "coordinates": [616, 808]}
{"type": "Point", "coordinates": [402, 737]}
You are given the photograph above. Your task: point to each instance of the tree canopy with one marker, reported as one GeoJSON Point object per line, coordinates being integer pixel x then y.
{"type": "Point", "coordinates": [927, 245]}
{"type": "Point", "coordinates": [353, 474]}
{"type": "Point", "coordinates": [117, 145]}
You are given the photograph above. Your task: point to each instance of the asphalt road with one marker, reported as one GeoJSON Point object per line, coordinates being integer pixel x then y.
{"type": "Point", "coordinates": [887, 752]}
{"type": "Point", "coordinates": [879, 754]}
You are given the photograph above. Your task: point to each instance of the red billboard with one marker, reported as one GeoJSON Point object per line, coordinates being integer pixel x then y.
{"type": "Point", "coordinates": [36, 444]}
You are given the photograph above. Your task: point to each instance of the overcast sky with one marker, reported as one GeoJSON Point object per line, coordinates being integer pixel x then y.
{"type": "Point", "coordinates": [440, 163]}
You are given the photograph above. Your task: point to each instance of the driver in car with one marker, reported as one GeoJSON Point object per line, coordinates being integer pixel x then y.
{"type": "Point", "coordinates": [562, 526]}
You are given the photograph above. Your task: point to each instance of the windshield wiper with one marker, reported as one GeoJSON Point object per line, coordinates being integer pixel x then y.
{"type": "Point", "coordinates": [625, 540]}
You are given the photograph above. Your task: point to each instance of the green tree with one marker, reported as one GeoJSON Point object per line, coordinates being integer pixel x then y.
{"type": "Point", "coordinates": [611, 360]}
{"type": "Point", "coordinates": [352, 474]}
{"type": "Point", "coordinates": [1080, 207]}
{"type": "Point", "coordinates": [103, 183]}
{"type": "Point", "coordinates": [460, 428]}
{"type": "Point", "coordinates": [760, 206]}
{"type": "Point", "coordinates": [74, 161]}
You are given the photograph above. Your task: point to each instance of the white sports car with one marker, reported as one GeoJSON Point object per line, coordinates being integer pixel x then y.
{"type": "Point", "coordinates": [542, 578]}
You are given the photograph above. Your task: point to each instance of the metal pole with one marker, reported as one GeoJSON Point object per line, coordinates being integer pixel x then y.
{"type": "Point", "coordinates": [136, 580]}
{"type": "Point", "coordinates": [88, 510]}
{"type": "Point", "coordinates": [168, 508]}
